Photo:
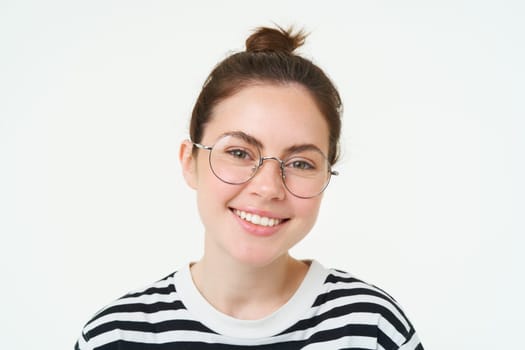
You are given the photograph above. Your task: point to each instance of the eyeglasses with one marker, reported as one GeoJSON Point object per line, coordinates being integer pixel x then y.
{"type": "Point", "coordinates": [236, 157]}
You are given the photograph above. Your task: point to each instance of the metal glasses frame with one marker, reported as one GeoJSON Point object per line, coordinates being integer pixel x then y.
{"type": "Point", "coordinates": [259, 165]}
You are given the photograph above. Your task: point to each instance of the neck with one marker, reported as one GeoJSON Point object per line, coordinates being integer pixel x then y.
{"type": "Point", "coordinates": [248, 292]}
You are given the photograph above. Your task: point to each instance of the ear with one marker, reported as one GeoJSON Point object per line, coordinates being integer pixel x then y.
{"type": "Point", "coordinates": [188, 163]}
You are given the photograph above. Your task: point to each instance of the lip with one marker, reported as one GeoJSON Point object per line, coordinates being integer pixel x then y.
{"type": "Point", "coordinates": [259, 230]}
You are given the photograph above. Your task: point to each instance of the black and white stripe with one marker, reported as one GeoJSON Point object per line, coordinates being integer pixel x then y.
{"type": "Point", "coordinates": [346, 313]}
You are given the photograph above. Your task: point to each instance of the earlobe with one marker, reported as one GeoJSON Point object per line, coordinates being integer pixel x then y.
{"type": "Point", "coordinates": [187, 162]}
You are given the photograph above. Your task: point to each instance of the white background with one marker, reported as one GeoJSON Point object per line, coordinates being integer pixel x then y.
{"type": "Point", "coordinates": [95, 97]}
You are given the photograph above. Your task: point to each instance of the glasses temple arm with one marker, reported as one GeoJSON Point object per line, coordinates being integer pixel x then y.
{"type": "Point", "coordinates": [201, 146]}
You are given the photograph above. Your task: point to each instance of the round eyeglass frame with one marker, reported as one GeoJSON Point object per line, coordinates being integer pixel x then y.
{"type": "Point", "coordinates": [260, 164]}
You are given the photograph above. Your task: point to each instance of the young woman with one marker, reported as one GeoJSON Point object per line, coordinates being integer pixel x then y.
{"type": "Point", "coordinates": [264, 136]}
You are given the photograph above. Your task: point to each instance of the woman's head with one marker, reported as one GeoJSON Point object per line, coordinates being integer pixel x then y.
{"type": "Point", "coordinates": [269, 59]}
{"type": "Point", "coordinates": [268, 122]}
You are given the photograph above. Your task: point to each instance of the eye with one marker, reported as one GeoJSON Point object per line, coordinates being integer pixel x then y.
{"type": "Point", "coordinates": [300, 164]}
{"type": "Point", "coordinates": [240, 154]}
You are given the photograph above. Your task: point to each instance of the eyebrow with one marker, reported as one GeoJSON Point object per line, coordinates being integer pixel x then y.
{"type": "Point", "coordinates": [290, 150]}
{"type": "Point", "coordinates": [303, 147]}
{"type": "Point", "coordinates": [245, 137]}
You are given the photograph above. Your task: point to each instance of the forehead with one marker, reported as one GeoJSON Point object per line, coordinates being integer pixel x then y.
{"type": "Point", "coordinates": [279, 116]}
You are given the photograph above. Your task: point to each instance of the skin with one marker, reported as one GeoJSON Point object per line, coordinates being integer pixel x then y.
{"type": "Point", "coordinates": [244, 273]}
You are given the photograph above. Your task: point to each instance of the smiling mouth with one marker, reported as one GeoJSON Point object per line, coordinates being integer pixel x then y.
{"type": "Point", "coordinates": [257, 219]}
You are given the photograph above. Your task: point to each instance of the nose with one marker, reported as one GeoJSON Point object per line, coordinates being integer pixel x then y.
{"type": "Point", "coordinates": [268, 181]}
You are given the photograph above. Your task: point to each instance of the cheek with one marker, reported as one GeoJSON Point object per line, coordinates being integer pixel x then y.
{"type": "Point", "coordinates": [308, 209]}
{"type": "Point", "coordinates": [212, 194]}
{"type": "Point", "coordinates": [205, 179]}
{"type": "Point", "coordinates": [211, 201]}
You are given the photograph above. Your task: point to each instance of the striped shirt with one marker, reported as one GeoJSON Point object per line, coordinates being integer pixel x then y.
{"type": "Point", "coordinates": [330, 310]}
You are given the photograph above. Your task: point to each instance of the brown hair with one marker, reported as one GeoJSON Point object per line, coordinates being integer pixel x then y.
{"type": "Point", "coordinates": [269, 58]}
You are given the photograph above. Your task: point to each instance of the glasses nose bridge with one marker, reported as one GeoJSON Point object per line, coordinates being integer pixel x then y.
{"type": "Point", "coordinates": [281, 163]}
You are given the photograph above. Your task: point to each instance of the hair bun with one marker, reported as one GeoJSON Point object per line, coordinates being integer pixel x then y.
{"type": "Point", "coordinates": [277, 40]}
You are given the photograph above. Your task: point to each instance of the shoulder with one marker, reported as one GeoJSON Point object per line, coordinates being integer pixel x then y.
{"type": "Point", "coordinates": [365, 303]}
{"type": "Point", "coordinates": [138, 307]}
{"type": "Point", "coordinates": [339, 283]}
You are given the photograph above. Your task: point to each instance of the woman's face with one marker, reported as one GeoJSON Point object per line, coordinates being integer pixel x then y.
{"type": "Point", "coordinates": [279, 118]}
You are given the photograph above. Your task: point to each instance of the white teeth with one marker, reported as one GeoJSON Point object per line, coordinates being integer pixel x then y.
{"type": "Point", "coordinates": [256, 219]}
